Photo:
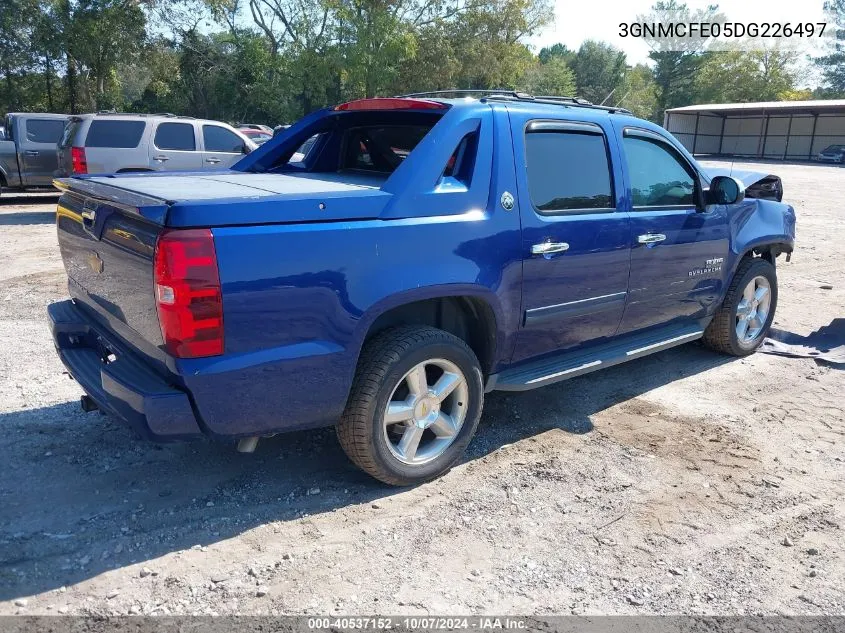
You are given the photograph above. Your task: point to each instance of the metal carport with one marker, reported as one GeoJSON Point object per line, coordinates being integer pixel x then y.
{"type": "Point", "coordinates": [796, 130]}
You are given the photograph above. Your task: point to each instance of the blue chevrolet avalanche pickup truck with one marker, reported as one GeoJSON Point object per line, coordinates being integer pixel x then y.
{"type": "Point", "coordinates": [381, 265]}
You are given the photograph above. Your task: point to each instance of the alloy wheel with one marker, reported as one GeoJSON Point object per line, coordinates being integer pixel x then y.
{"type": "Point", "coordinates": [752, 312]}
{"type": "Point", "coordinates": [426, 411]}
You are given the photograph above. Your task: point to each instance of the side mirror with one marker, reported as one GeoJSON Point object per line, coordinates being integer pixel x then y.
{"type": "Point", "coordinates": [245, 149]}
{"type": "Point", "coordinates": [725, 190]}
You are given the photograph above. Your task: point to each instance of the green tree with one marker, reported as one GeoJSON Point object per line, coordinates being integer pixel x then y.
{"type": "Point", "coordinates": [554, 77]}
{"type": "Point", "coordinates": [743, 76]}
{"type": "Point", "coordinates": [599, 70]}
{"type": "Point", "coordinates": [102, 34]}
{"type": "Point", "coordinates": [833, 64]}
{"type": "Point", "coordinates": [556, 51]}
{"type": "Point", "coordinates": [677, 61]}
{"type": "Point", "coordinates": [638, 94]}
{"type": "Point", "coordinates": [17, 58]}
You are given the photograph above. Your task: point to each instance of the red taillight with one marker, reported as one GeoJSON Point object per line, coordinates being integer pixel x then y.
{"type": "Point", "coordinates": [391, 103]}
{"type": "Point", "coordinates": [79, 165]}
{"type": "Point", "coordinates": [188, 295]}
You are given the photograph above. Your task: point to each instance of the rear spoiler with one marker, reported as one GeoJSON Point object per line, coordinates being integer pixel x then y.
{"type": "Point", "coordinates": [149, 207]}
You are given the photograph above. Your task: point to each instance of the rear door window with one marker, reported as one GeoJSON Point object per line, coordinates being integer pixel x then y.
{"type": "Point", "coordinates": [175, 136]}
{"type": "Point", "coordinates": [568, 170]}
{"type": "Point", "coordinates": [219, 139]}
{"type": "Point", "coordinates": [121, 134]}
{"type": "Point", "coordinates": [44, 130]}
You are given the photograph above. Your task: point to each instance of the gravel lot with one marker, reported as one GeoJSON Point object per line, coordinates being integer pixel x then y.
{"type": "Point", "coordinates": [685, 482]}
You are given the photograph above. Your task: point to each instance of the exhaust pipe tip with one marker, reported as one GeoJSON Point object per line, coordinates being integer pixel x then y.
{"type": "Point", "coordinates": [88, 404]}
{"type": "Point", "coordinates": [247, 445]}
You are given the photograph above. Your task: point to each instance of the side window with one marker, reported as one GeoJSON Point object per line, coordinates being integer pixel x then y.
{"type": "Point", "coordinates": [44, 130]}
{"type": "Point", "coordinates": [120, 134]}
{"type": "Point", "coordinates": [462, 161]}
{"type": "Point", "coordinates": [175, 136]}
{"type": "Point", "coordinates": [659, 177]}
{"type": "Point", "coordinates": [568, 170]}
{"type": "Point", "coordinates": [305, 149]}
{"type": "Point", "coordinates": [219, 139]}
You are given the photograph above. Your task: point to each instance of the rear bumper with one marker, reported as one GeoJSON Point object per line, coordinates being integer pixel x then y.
{"type": "Point", "coordinates": [125, 387]}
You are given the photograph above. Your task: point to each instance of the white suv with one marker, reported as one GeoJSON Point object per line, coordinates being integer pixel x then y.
{"type": "Point", "coordinates": [109, 143]}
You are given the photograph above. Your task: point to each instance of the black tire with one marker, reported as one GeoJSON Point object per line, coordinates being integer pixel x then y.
{"type": "Point", "coordinates": [384, 361]}
{"type": "Point", "coordinates": [721, 334]}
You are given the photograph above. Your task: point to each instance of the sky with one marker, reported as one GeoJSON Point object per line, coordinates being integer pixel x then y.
{"type": "Point", "coordinates": [578, 20]}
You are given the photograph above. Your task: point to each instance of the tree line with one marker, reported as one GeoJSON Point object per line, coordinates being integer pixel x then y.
{"type": "Point", "coordinates": [275, 60]}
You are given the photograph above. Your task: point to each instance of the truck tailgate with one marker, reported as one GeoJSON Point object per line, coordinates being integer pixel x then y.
{"type": "Point", "coordinates": [107, 240]}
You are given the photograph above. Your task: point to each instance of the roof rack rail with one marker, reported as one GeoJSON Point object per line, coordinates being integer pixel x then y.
{"type": "Point", "coordinates": [170, 115]}
{"type": "Point", "coordinates": [116, 113]}
{"type": "Point", "coordinates": [514, 95]}
{"type": "Point", "coordinates": [562, 101]}
{"type": "Point", "coordinates": [462, 92]}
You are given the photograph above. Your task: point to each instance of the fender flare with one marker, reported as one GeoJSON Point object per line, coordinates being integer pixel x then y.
{"type": "Point", "coordinates": [781, 242]}
{"type": "Point", "coordinates": [440, 291]}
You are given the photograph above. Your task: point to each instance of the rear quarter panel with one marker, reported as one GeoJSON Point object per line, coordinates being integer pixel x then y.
{"type": "Point", "coordinates": [298, 302]}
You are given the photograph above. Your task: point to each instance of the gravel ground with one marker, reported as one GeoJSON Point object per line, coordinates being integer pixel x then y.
{"type": "Point", "coordinates": [685, 482]}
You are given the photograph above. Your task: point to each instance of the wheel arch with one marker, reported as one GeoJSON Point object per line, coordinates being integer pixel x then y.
{"type": "Point", "coordinates": [470, 315]}
{"type": "Point", "coordinates": [767, 248]}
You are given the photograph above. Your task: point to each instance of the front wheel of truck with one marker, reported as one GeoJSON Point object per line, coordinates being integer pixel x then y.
{"type": "Point", "coordinates": [414, 405]}
{"type": "Point", "coordinates": [745, 316]}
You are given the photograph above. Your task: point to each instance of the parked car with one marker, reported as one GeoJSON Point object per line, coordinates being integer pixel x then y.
{"type": "Point", "coordinates": [259, 137]}
{"type": "Point", "coordinates": [422, 252]}
{"type": "Point", "coordinates": [110, 143]}
{"type": "Point", "coordinates": [832, 154]}
{"type": "Point", "coordinates": [255, 126]}
{"type": "Point", "coordinates": [28, 149]}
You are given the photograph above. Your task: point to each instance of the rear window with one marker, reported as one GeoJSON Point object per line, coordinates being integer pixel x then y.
{"type": "Point", "coordinates": [381, 148]}
{"type": "Point", "coordinates": [44, 130]}
{"type": "Point", "coordinates": [219, 139]}
{"type": "Point", "coordinates": [568, 171]}
{"type": "Point", "coordinates": [175, 136]}
{"type": "Point", "coordinates": [120, 134]}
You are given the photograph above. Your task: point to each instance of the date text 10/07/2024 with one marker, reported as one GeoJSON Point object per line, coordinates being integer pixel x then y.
{"type": "Point", "coordinates": [478, 623]}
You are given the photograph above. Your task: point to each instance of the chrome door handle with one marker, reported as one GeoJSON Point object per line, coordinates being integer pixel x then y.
{"type": "Point", "coordinates": [545, 248]}
{"type": "Point", "coordinates": [213, 161]}
{"type": "Point", "coordinates": [161, 159]}
{"type": "Point", "coordinates": [651, 238]}
{"type": "Point", "coordinates": [30, 152]}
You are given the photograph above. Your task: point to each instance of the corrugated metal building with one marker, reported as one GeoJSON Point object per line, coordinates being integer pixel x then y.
{"type": "Point", "coordinates": [796, 130]}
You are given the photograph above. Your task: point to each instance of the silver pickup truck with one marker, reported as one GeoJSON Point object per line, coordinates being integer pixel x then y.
{"type": "Point", "coordinates": [28, 149]}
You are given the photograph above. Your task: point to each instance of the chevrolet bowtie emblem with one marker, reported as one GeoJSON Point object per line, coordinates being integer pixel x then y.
{"type": "Point", "coordinates": [95, 263]}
